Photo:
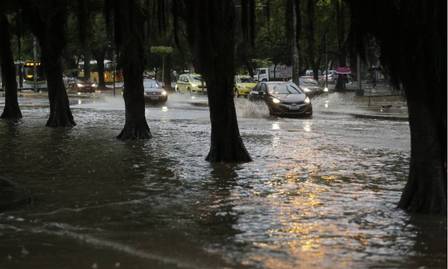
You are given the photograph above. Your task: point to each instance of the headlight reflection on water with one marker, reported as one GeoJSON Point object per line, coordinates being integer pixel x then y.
{"type": "Point", "coordinates": [275, 126]}
{"type": "Point", "coordinates": [307, 126]}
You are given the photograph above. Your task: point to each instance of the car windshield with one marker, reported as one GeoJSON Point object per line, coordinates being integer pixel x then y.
{"type": "Point", "coordinates": [84, 81]}
{"type": "Point", "coordinates": [151, 84]}
{"type": "Point", "coordinates": [246, 80]}
{"type": "Point", "coordinates": [283, 88]}
{"type": "Point", "coordinates": [310, 82]}
{"type": "Point", "coordinates": [196, 78]}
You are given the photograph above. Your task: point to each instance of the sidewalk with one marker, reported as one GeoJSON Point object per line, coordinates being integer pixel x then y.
{"type": "Point", "coordinates": [381, 107]}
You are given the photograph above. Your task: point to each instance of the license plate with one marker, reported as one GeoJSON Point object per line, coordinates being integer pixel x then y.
{"type": "Point", "coordinates": [154, 97]}
{"type": "Point", "coordinates": [294, 107]}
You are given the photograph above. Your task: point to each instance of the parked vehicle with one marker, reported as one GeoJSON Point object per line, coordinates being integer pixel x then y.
{"type": "Point", "coordinates": [332, 76]}
{"type": "Point", "coordinates": [243, 85]}
{"type": "Point", "coordinates": [310, 87]}
{"type": "Point", "coordinates": [25, 75]}
{"type": "Point", "coordinates": [191, 83]}
{"type": "Point", "coordinates": [273, 72]}
{"type": "Point", "coordinates": [154, 93]}
{"type": "Point", "coordinates": [83, 85]}
{"type": "Point", "coordinates": [283, 99]}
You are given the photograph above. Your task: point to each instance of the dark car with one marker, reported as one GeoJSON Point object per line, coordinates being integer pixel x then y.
{"type": "Point", "coordinates": [283, 99]}
{"type": "Point", "coordinates": [84, 85]}
{"type": "Point", "coordinates": [310, 87]}
{"type": "Point", "coordinates": [154, 93]}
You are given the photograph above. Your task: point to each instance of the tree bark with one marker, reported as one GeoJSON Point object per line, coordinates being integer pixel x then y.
{"type": "Point", "coordinates": [47, 20]}
{"type": "Point", "coordinates": [342, 55]}
{"type": "Point", "coordinates": [60, 113]}
{"type": "Point", "coordinates": [99, 57]}
{"type": "Point", "coordinates": [211, 36]}
{"type": "Point", "coordinates": [86, 59]}
{"type": "Point", "coordinates": [11, 111]}
{"type": "Point", "coordinates": [129, 31]}
{"type": "Point", "coordinates": [311, 39]}
{"type": "Point", "coordinates": [425, 191]}
{"type": "Point", "coordinates": [167, 73]}
{"type": "Point", "coordinates": [414, 53]}
{"type": "Point", "coordinates": [295, 40]}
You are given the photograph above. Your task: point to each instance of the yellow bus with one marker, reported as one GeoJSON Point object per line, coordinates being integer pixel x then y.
{"type": "Point", "coordinates": [108, 71]}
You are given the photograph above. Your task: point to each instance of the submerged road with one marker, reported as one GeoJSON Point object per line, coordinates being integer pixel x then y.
{"type": "Point", "coordinates": [320, 193]}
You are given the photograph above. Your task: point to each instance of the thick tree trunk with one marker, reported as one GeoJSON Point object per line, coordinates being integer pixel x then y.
{"type": "Point", "coordinates": [60, 113]}
{"type": "Point", "coordinates": [342, 55]}
{"type": "Point", "coordinates": [211, 36]}
{"type": "Point", "coordinates": [47, 20]}
{"type": "Point", "coordinates": [425, 191]}
{"type": "Point", "coordinates": [11, 111]}
{"type": "Point", "coordinates": [129, 28]}
{"type": "Point", "coordinates": [226, 142]}
{"type": "Point", "coordinates": [100, 68]}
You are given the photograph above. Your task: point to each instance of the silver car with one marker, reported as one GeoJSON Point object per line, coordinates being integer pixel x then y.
{"type": "Point", "coordinates": [154, 93]}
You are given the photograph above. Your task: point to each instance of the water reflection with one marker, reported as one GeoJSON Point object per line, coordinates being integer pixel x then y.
{"type": "Point", "coordinates": [307, 126]}
{"type": "Point", "coordinates": [315, 196]}
{"type": "Point", "coordinates": [217, 216]}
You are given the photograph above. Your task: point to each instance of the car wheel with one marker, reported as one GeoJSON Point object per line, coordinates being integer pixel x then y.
{"type": "Point", "coordinates": [189, 90]}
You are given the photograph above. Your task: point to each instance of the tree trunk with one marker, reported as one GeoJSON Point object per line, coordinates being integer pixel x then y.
{"type": "Point", "coordinates": [425, 191]}
{"type": "Point", "coordinates": [342, 55]}
{"type": "Point", "coordinates": [249, 67]}
{"type": "Point", "coordinates": [167, 73]}
{"type": "Point", "coordinates": [86, 63]}
{"type": "Point", "coordinates": [295, 45]}
{"type": "Point", "coordinates": [211, 36]}
{"type": "Point", "coordinates": [60, 113]}
{"type": "Point", "coordinates": [99, 57]}
{"type": "Point", "coordinates": [47, 20]}
{"type": "Point", "coordinates": [129, 31]}
{"type": "Point", "coordinates": [311, 40]}
{"type": "Point", "coordinates": [226, 142]}
{"type": "Point", "coordinates": [11, 111]}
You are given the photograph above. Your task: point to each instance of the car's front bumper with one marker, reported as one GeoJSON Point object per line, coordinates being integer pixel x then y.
{"type": "Point", "coordinates": [156, 98]}
{"type": "Point", "coordinates": [290, 110]}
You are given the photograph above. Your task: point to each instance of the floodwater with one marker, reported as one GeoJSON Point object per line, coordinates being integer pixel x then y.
{"type": "Point", "coordinates": [320, 193]}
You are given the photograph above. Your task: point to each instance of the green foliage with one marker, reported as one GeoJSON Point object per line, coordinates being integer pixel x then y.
{"type": "Point", "coordinates": [161, 50]}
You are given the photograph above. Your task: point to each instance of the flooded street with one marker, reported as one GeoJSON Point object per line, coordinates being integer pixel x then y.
{"type": "Point", "coordinates": [320, 193]}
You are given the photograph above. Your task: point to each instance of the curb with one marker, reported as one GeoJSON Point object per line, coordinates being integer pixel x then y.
{"type": "Point", "coordinates": [368, 116]}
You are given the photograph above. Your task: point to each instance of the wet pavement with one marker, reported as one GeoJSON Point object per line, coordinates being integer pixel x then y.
{"type": "Point", "coordinates": [320, 193]}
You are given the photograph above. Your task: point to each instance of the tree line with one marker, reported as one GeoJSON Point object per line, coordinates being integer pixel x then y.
{"type": "Point", "coordinates": [219, 37]}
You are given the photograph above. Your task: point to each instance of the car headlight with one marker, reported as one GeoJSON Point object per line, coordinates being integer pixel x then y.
{"type": "Point", "coordinates": [326, 89]}
{"type": "Point", "coordinates": [94, 85]}
{"type": "Point", "coordinates": [79, 85]}
{"type": "Point", "coordinates": [306, 90]}
{"type": "Point", "coordinates": [276, 101]}
{"type": "Point", "coordinates": [164, 93]}
{"type": "Point", "coordinates": [307, 100]}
